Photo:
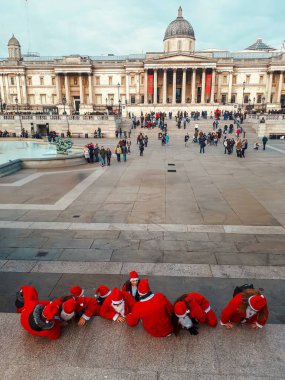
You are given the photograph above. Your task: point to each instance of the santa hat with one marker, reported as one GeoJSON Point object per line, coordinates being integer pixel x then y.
{"type": "Point", "coordinates": [134, 276]}
{"type": "Point", "coordinates": [68, 309]}
{"type": "Point", "coordinates": [143, 287]}
{"type": "Point", "coordinates": [180, 309]}
{"type": "Point", "coordinates": [50, 311]}
{"type": "Point", "coordinates": [257, 302]}
{"type": "Point", "coordinates": [102, 291]}
{"type": "Point", "coordinates": [76, 291]}
{"type": "Point", "coordinates": [117, 296]}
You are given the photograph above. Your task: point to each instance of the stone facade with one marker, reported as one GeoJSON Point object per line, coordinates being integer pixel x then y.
{"type": "Point", "coordinates": [179, 77]}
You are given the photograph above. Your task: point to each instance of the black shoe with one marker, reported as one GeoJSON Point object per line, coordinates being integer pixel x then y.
{"type": "Point", "coordinates": [193, 330]}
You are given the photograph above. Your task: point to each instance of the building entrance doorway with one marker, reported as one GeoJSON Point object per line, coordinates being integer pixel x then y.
{"type": "Point", "coordinates": [199, 94]}
{"type": "Point", "coordinates": [42, 129]}
{"type": "Point", "coordinates": [77, 103]}
{"type": "Point", "coordinates": [178, 95]}
{"type": "Point", "coordinates": [282, 100]}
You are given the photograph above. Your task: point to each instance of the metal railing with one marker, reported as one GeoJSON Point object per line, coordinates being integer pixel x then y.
{"type": "Point", "coordinates": [267, 116]}
{"type": "Point", "coordinates": [57, 117]}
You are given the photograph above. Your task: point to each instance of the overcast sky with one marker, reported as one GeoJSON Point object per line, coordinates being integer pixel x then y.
{"type": "Point", "coordinates": [96, 27]}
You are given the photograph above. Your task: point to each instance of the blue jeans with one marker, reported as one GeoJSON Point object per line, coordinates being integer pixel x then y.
{"type": "Point", "coordinates": [124, 156]}
{"type": "Point", "coordinates": [118, 157]}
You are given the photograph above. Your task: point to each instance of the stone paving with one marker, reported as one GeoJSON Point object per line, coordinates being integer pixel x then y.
{"type": "Point", "coordinates": [216, 222]}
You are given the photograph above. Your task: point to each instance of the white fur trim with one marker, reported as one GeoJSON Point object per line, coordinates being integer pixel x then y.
{"type": "Point", "coordinates": [250, 304]}
{"type": "Point", "coordinates": [222, 324]}
{"type": "Point", "coordinates": [109, 292]}
{"type": "Point", "coordinates": [85, 317]}
{"type": "Point", "coordinates": [148, 298]}
{"type": "Point", "coordinates": [208, 309]}
{"type": "Point", "coordinates": [134, 279]}
{"type": "Point", "coordinates": [258, 325]}
{"type": "Point", "coordinates": [116, 316]}
{"type": "Point", "coordinates": [117, 303]}
{"type": "Point", "coordinates": [65, 316]}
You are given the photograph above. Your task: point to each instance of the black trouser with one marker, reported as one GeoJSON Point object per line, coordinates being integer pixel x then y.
{"type": "Point", "coordinates": [264, 146]}
{"type": "Point", "coordinates": [91, 157]}
{"type": "Point", "coordinates": [108, 160]}
{"type": "Point", "coordinates": [96, 157]}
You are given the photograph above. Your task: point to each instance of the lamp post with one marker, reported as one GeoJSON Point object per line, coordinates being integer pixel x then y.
{"type": "Point", "coordinates": [64, 112]}
{"type": "Point", "coordinates": [106, 102]}
{"type": "Point", "coordinates": [249, 105]}
{"type": "Point", "coordinates": [253, 103]}
{"type": "Point", "coordinates": [119, 100]}
{"type": "Point", "coordinates": [243, 89]}
{"type": "Point", "coordinates": [17, 105]}
{"type": "Point", "coordinates": [263, 101]}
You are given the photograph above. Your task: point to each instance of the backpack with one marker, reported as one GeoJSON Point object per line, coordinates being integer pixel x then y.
{"type": "Point", "coordinates": [239, 289]}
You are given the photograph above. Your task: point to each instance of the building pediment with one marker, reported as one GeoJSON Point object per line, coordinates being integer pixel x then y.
{"type": "Point", "coordinates": [181, 60]}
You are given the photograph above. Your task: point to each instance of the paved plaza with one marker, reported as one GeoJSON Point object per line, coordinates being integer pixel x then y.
{"type": "Point", "coordinates": [187, 221]}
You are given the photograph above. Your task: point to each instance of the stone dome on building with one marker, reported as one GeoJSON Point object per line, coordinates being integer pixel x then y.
{"type": "Point", "coordinates": [179, 35]}
{"type": "Point", "coordinates": [179, 27]}
{"type": "Point", "coordinates": [13, 41]}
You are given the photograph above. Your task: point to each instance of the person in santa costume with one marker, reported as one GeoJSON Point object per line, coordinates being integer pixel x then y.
{"type": "Point", "coordinates": [117, 306]}
{"type": "Point", "coordinates": [86, 307]}
{"type": "Point", "coordinates": [249, 306]}
{"type": "Point", "coordinates": [190, 310]}
{"type": "Point", "coordinates": [101, 293]}
{"type": "Point", "coordinates": [154, 311]}
{"type": "Point", "coordinates": [39, 317]}
{"type": "Point", "coordinates": [67, 310]}
{"type": "Point", "coordinates": [131, 286]}
{"type": "Point", "coordinates": [25, 291]}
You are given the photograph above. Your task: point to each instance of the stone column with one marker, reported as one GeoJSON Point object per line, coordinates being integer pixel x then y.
{"type": "Point", "coordinates": [280, 87]}
{"type": "Point", "coordinates": [164, 86]}
{"type": "Point", "coordinates": [24, 86]}
{"type": "Point", "coordinates": [2, 93]}
{"type": "Point", "coordinates": [81, 92]}
{"type": "Point", "coordinates": [155, 86]}
{"type": "Point", "coordinates": [174, 87]}
{"type": "Point", "coordinates": [127, 89]}
{"type": "Point", "coordinates": [8, 98]}
{"type": "Point", "coordinates": [269, 90]}
{"type": "Point", "coordinates": [66, 83]}
{"type": "Point", "coordinates": [230, 86]}
{"type": "Point", "coordinates": [193, 90]}
{"type": "Point", "coordinates": [183, 100]}
{"type": "Point", "coordinates": [19, 89]}
{"type": "Point", "coordinates": [145, 86]}
{"type": "Point", "coordinates": [90, 83]}
{"type": "Point", "coordinates": [203, 86]}
{"type": "Point", "coordinates": [58, 88]}
{"type": "Point", "coordinates": [219, 87]}
{"type": "Point", "coordinates": [213, 86]}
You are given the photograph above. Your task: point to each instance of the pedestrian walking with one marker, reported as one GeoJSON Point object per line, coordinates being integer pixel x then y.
{"type": "Point", "coordinates": [124, 152]}
{"type": "Point", "coordinates": [108, 155]}
{"type": "Point", "coordinates": [103, 156]}
{"type": "Point", "coordinates": [118, 152]}
{"type": "Point", "coordinates": [141, 148]}
{"type": "Point", "coordinates": [264, 141]}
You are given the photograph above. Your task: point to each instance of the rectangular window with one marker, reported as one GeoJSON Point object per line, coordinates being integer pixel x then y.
{"type": "Point", "coordinates": [98, 99]}
{"type": "Point", "coordinates": [123, 80]}
{"type": "Point", "coordinates": [31, 99]}
{"type": "Point", "coordinates": [75, 81]}
{"type": "Point", "coordinates": [132, 81]}
{"type": "Point", "coordinates": [30, 81]}
{"type": "Point", "coordinates": [142, 99]}
{"type": "Point", "coordinates": [12, 81]}
{"type": "Point", "coordinates": [233, 98]}
{"type": "Point", "coordinates": [53, 99]}
{"type": "Point", "coordinates": [247, 81]}
{"type": "Point", "coordinates": [133, 99]}
{"type": "Point", "coordinates": [259, 98]}
{"type": "Point", "coordinates": [246, 97]}
{"type": "Point", "coordinates": [261, 79]}
{"type": "Point", "coordinates": [97, 81]}
{"type": "Point", "coordinates": [43, 99]}
{"type": "Point", "coordinates": [53, 81]}
{"type": "Point", "coordinates": [234, 79]}
{"type": "Point", "coordinates": [110, 81]}
{"type": "Point", "coordinates": [41, 81]}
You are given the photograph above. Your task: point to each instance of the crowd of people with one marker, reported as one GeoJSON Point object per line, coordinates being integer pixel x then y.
{"type": "Point", "coordinates": [136, 302]}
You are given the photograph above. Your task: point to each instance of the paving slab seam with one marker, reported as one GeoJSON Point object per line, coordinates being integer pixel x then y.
{"type": "Point", "coordinates": [153, 269]}
{"type": "Point", "coordinates": [226, 229]}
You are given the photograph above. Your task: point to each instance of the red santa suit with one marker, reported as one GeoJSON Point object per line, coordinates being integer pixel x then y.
{"type": "Point", "coordinates": [25, 291]}
{"type": "Point", "coordinates": [38, 317]}
{"type": "Point", "coordinates": [130, 288]}
{"type": "Point", "coordinates": [154, 311]}
{"type": "Point", "coordinates": [117, 304]}
{"type": "Point", "coordinates": [197, 307]}
{"type": "Point", "coordinates": [252, 315]}
{"type": "Point", "coordinates": [88, 306]}
{"type": "Point", "coordinates": [101, 293]}
{"type": "Point", "coordinates": [68, 310]}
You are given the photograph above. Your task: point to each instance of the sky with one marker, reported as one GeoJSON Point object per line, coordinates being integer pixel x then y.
{"type": "Point", "coordinates": [96, 27]}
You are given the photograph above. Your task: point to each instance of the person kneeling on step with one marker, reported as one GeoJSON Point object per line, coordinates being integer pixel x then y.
{"type": "Point", "coordinates": [190, 310]}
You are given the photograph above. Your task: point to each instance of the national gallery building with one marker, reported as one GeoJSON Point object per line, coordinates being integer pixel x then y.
{"type": "Point", "coordinates": [178, 78]}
